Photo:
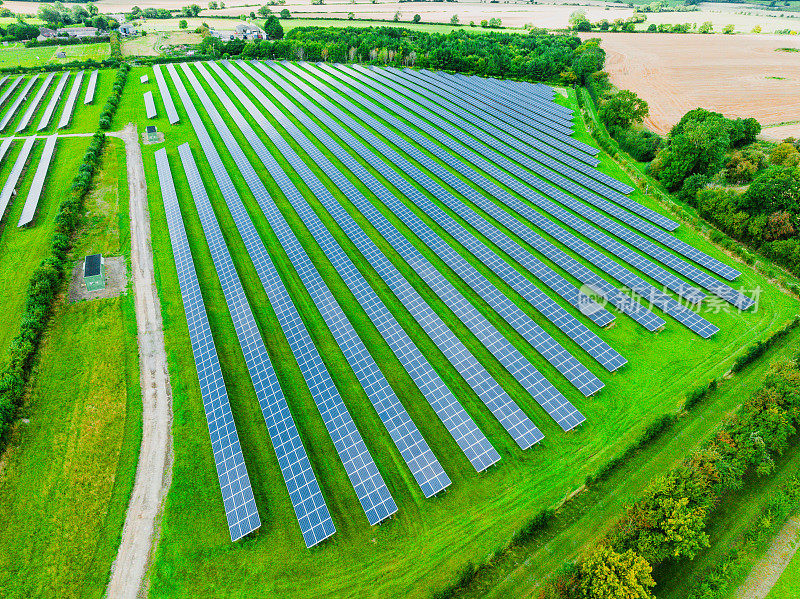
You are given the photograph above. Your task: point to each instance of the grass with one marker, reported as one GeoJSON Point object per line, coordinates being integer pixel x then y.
{"type": "Point", "coordinates": [69, 470]}
{"type": "Point", "coordinates": [289, 24]}
{"type": "Point", "coordinates": [23, 249]}
{"type": "Point", "coordinates": [18, 55]}
{"type": "Point", "coordinates": [428, 541]}
{"type": "Point", "coordinates": [789, 582]}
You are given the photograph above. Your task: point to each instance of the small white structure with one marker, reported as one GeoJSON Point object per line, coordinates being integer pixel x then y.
{"type": "Point", "coordinates": [143, 79]}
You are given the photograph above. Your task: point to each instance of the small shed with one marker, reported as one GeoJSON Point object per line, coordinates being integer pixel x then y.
{"type": "Point", "coordinates": [94, 272]}
{"type": "Point", "coordinates": [152, 133]}
{"type": "Point", "coordinates": [61, 54]}
{"type": "Point", "coordinates": [144, 79]}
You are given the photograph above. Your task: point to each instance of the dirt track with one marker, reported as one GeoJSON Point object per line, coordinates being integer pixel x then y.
{"type": "Point", "coordinates": [735, 75]}
{"type": "Point", "coordinates": [768, 570]}
{"type": "Point", "coordinates": [153, 474]}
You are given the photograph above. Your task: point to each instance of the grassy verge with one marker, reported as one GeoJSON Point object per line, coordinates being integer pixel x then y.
{"type": "Point", "coordinates": [69, 468]}
{"type": "Point", "coordinates": [789, 582]}
{"type": "Point", "coordinates": [429, 541]}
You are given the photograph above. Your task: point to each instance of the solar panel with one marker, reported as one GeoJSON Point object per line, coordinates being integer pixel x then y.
{"type": "Point", "coordinates": [14, 85]}
{"type": "Point", "coordinates": [466, 434]}
{"type": "Point", "coordinates": [35, 192]}
{"type": "Point", "coordinates": [530, 378]}
{"type": "Point", "coordinates": [4, 146]}
{"type": "Point", "coordinates": [149, 105]}
{"type": "Point", "coordinates": [37, 99]}
{"type": "Point", "coordinates": [166, 97]}
{"type": "Point", "coordinates": [304, 492]}
{"type": "Point", "coordinates": [672, 282]}
{"type": "Point", "coordinates": [90, 89]}
{"type": "Point", "coordinates": [13, 178]}
{"type": "Point", "coordinates": [51, 105]}
{"type": "Point", "coordinates": [638, 285]}
{"type": "Point", "coordinates": [237, 494]}
{"type": "Point", "coordinates": [536, 129]}
{"type": "Point", "coordinates": [367, 481]}
{"type": "Point", "coordinates": [3, 80]}
{"type": "Point", "coordinates": [621, 300]}
{"type": "Point", "coordinates": [12, 110]}
{"type": "Point", "coordinates": [424, 466]}
{"type": "Point", "coordinates": [516, 150]}
{"type": "Point", "coordinates": [69, 106]}
{"type": "Point", "coordinates": [597, 348]}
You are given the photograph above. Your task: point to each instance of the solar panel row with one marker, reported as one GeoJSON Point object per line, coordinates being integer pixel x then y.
{"type": "Point", "coordinates": [51, 105]}
{"type": "Point", "coordinates": [37, 99]}
{"type": "Point", "coordinates": [367, 481]}
{"type": "Point", "coordinates": [69, 107]}
{"type": "Point", "coordinates": [35, 192]}
{"type": "Point", "coordinates": [23, 95]}
{"type": "Point", "coordinates": [672, 282]}
{"type": "Point", "coordinates": [14, 85]}
{"type": "Point", "coordinates": [511, 148]}
{"type": "Point", "coordinates": [166, 97]}
{"type": "Point", "coordinates": [90, 89]}
{"type": "Point", "coordinates": [547, 347]}
{"type": "Point", "coordinates": [409, 441]}
{"type": "Point", "coordinates": [598, 285]}
{"type": "Point", "coordinates": [515, 363]}
{"type": "Point", "coordinates": [304, 492]}
{"type": "Point", "coordinates": [4, 146]}
{"type": "Point", "coordinates": [641, 287]}
{"type": "Point", "coordinates": [16, 171]}
{"type": "Point", "coordinates": [469, 438]}
{"type": "Point", "coordinates": [555, 313]}
{"type": "Point", "coordinates": [237, 494]}
{"type": "Point", "coordinates": [149, 105]}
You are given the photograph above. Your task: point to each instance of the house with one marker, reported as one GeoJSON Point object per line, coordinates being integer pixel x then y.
{"type": "Point", "coordinates": [245, 30]}
{"type": "Point", "coordinates": [127, 29]}
{"type": "Point", "coordinates": [78, 31]}
{"type": "Point", "coordinates": [46, 33]}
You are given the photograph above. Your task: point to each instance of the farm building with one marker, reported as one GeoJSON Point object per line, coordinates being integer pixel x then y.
{"type": "Point", "coordinates": [94, 272]}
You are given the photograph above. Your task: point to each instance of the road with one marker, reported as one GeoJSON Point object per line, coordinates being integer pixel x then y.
{"type": "Point", "coordinates": [154, 471]}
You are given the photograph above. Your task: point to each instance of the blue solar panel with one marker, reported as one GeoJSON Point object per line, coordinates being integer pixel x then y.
{"type": "Point", "coordinates": [517, 365]}
{"type": "Point", "coordinates": [37, 99]}
{"type": "Point", "coordinates": [621, 300]}
{"type": "Point", "coordinates": [149, 105]}
{"type": "Point", "coordinates": [367, 481]}
{"type": "Point", "coordinates": [424, 466]}
{"type": "Point", "coordinates": [69, 107]}
{"type": "Point", "coordinates": [14, 85]}
{"type": "Point", "coordinates": [518, 151]}
{"type": "Point", "coordinates": [638, 285]}
{"type": "Point", "coordinates": [309, 504]}
{"type": "Point", "coordinates": [16, 171]}
{"type": "Point", "coordinates": [469, 438]}
{"type": "Point", "coordinates": [237, 494]}
{"type": "Point", "coordinates": [51, 105]}
{"type": "Point", "coordinates": [732, 296]}
{"type": "Point", "coordinates": [555, 313]}
{"type": "Point", "coordinates": [23, 95]}
{"type": "Point", "coordinates": [166, 97]}
{"type": "Point", "coordinates": [35, 191]}
{"type": "Point", "coordinates": [90, 89]}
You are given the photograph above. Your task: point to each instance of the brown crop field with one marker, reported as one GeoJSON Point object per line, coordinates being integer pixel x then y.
{"type": "Point", "coordinates": [737, 75]}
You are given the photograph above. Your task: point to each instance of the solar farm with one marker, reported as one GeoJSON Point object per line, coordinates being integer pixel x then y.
{"type": "Point", "coordinates": [411, 299]}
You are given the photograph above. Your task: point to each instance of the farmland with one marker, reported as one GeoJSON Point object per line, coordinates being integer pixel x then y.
{"type": "Point", "coordinates": [670, 71]}
{"type": "Point", "coordinates": [427, 539]}
{"type": "Point", "coordinates": [19, 55]}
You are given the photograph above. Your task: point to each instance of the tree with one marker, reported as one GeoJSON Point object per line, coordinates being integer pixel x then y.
{"type": "Point", "coordinates": [622, 109]}
{"type": "Point", "coordinates": [775, 189]}
{"type": "Point", "coordinates": [416, 18]}
{"type": "Point", "coordinates": [285, 14]}
{"type": "Point", "coordinates": [191, 11]}
{"type": "Point", "coordinates": [351, 16]}
{"type": "Point", "coordinates": [93, 10]}
{"type": "Point", "coordinates": [183, 24]}
{"type": "Point", "coordinates": [454, 20]}
{"type": "Point", "coordinates": [397, 16]}
{"type": "Point", "coordinates": [213, 5]}
{"type": "Point", "coordinates": [785, 154]}
{"type": "Point", "coordinates": [579, 22]}
{"type": "Point", "coordinates": [484, 23]}
{"type": "Point", "coordinates": [728, 29]}
{"type": "Point", "coordinates": [265, 11]}
{"type": "Point", "coordinates": [756, 29]}
{"type": "Point", "coordinates": [611, 575]}
{"type": "Point", "coordinates": [589, 58]}
{"type": "Point", "coordinates": [273, 28]}
{"type": "Point", "coordinates": [706, 27]}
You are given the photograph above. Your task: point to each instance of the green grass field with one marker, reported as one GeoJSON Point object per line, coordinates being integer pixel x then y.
{"type": "Point", "coordinates": [19, 55]}
{"type": "Point", "coordinates": [69, 468]}
{"type": "Point", "coordinates": [428, 541]}
{"type": "Point", "coordinates": [23, 249]}
{"type": "Point", "coordinates": [289, 24]}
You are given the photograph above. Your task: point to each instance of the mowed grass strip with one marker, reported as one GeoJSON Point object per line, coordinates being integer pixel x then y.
{"type": "Point", "coordinates": [21, 250]}
{"type": "Point", "coordinates": [69, 469]}
{"type": "Point", "coordinates": [429, 540]}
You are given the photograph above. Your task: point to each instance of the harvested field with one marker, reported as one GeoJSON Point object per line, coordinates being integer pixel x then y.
{"type": "Point", "coordinates": [728, 74]}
